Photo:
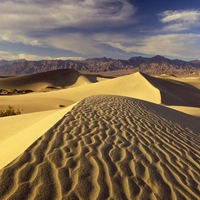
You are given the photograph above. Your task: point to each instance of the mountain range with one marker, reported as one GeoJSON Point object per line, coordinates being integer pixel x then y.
{"type": "Point", "coordinates": [156, 65]}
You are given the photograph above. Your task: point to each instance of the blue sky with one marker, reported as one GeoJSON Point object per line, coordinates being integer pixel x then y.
{"type": "Point", "coordinates": [79, 29]}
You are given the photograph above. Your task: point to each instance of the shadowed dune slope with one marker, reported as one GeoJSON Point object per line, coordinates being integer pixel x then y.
{"type": "Point", "coordinates": [175, 92]}
{"type": "Point", "coordinates": [58, 78]}
{"type": "Point", "coordinates": [110, 147]}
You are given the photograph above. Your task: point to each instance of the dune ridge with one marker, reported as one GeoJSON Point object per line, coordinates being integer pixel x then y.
{"type": "Point", "coordinates": [110, 147]}
{"type": "Point", "coordinates": [182, 94]}
{"type": "Point", "coordinates": [130, 85]}
{"type": "Point", "coordinates": [62, 78]}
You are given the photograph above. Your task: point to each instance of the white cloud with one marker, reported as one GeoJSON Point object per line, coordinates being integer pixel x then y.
{"type": "Point", "coordinates": [185, 46]}
{"type": "Point", "coordinates": [38, 57]}
{"type": "Point", "coordinates": [191, 16]}
{"type": "Point", "coordinates": [69, 58]}
{"type": "Point", "coordinates": [8, 56]}
{"type": "Point", "coordinates": [11, 56]}
{"type": "Point", "coordinates": [174, 45]}
{"type": "Point", "coordinates": [42, 15]}
{"type": "Point", "coordinates": [33, 57]}
{"type": "Point", "coordinates": [177, 27]}
{"type": "Point", "coordinates": [78, 43]}
{"type": "Point", "coordinates": [23, 20]}
{"type": "Point", "coordinates": [180, 20]}
{"type": "Point", "coordinates": [19, 37]}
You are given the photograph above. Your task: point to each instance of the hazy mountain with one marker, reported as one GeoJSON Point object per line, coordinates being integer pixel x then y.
{"type": "Point", "coordinates": [195, 62]}
{"type": "Point", "coordinates": [6, 62]}
{"type": "Point", "coordinates": [155, 66]}
{"type": "Point", "coordinates": [3, 62]}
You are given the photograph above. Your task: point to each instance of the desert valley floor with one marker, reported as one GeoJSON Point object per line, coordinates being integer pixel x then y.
{"type": "Point", "coordinates": [90, 137]}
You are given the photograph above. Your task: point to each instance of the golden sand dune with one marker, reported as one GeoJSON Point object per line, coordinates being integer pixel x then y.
{"type": "Point", "coordinates": [110, 147]}
{"type": "Point", "coordinates": [59, 78]}
{"type": "Point", "coordinates": [134, 85]}
{"type": "Point", "coordinates": [106, 147]}
{"type": "Point", "coordinates": [170, 91]}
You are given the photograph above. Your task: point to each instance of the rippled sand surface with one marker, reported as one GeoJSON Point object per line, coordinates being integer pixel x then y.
{"type": "Point", "coordinates": [110, 147]}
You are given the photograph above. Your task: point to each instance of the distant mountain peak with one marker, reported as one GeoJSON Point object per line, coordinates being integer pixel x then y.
{"type": "Point", "coordinates": [103, 59]}
{"type": "Point", "coordinates": [159, 58]}
{"type": "Point", "coordinates": [195, 61]}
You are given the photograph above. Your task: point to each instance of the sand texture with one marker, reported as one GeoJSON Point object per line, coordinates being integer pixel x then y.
{"type": "Point", "coordinates": [110, 147]}
{"type": "Point", "coordinates": [19, 132]}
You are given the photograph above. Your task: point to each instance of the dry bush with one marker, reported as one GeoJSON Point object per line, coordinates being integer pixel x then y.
{"type": "Point", "coordinates": [10, 111]}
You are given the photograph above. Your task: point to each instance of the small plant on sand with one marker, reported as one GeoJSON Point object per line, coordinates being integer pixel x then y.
{"type": "Point", "coordinates": [10, 111]}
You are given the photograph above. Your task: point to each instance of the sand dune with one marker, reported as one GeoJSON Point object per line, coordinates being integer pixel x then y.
{"type": "Point", "coordinates": [169, 91]}
{"type": "Point", "coordinates": [134, 85]}
{"type": "Point", "coordinates": [113, 145]}
{"type": "Point", "coordinates": [110, 147]}
{"type": "Point", "coordinates": [62, 78]}
{"type": "Point", "coordinates": [177, 91]}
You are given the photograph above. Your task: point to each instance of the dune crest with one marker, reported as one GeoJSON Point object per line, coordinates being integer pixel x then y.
{"type": "Point", "coordinates": [62, 78]}
{"type": "Point", "coordinates": [174, 92]}
{"type": "Point", "coordinates": [110, 147]}
{"type": "Point", "coordinates": [133, 85]}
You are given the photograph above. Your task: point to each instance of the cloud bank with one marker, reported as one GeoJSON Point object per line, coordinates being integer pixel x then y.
{"type": "Point", "coordinates": [88, 28]}
{"type": "Point", "coordinates": [25, 15]}
{"type": "Point", "coordinates": [180, 20]}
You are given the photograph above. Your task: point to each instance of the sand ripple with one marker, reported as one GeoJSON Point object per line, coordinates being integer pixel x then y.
{"type": "Point", "coordinates": [108, 147]}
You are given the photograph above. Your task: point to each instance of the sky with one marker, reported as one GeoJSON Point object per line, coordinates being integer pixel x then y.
{"type": "Point", "coordinates": [80, 29]}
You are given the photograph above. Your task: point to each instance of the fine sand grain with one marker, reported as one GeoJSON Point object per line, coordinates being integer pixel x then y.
{"type": "Point", "coordinates": [110, 147]}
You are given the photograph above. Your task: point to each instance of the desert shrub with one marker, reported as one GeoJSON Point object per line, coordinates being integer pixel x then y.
{"type": "Point", "coordinates": [10, 111]}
